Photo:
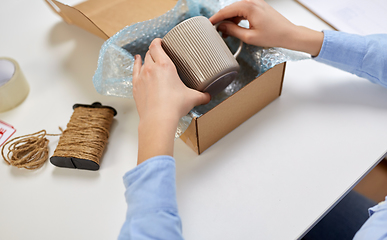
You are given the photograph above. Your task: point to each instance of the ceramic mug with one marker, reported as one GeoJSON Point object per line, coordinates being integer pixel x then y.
{"type": "Point", "coordinates": [200, 55]}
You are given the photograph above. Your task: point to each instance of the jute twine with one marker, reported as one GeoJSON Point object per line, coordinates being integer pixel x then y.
{"type": "Point", "coordinates": [86, 134]}
{"type": "Point", "coordinates": [85, 138]}
{"type": "Point", "coordinates": [29, 151]}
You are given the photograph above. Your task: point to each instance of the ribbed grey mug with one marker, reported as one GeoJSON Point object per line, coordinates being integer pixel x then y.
{"type": "Point", "coordinates": [202, 58]}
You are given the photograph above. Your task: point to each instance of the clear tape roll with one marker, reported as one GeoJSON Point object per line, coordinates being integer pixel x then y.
{"type": "Point", "coordinates": [14, 87]}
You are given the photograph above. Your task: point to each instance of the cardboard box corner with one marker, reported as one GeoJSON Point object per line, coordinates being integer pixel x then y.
{"type": "Point", "coordinates": [209, 128]}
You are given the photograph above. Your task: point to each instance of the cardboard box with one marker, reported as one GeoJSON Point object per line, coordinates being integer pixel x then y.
{"type": "Point", "coordinates": [106, 17]}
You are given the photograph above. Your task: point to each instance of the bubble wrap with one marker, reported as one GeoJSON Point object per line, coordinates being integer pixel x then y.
{"type": "Point", "coordinates": [113, 76]}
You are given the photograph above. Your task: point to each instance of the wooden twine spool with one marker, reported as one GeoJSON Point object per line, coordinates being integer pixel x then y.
{"type": "Point", "coordinates": [82, 144]}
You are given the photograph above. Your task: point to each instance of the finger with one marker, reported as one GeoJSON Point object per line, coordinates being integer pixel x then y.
{"type": "Point", "coordinates": [157, 52]}
{"type": "Point", "coordinates": [231, 29]}
{"type": "Point", "coordinates": [148, 59]}
{"type": "Point", "coordinates": [237, 20]}
{"type": "Point", "coordinates": [136, 66]}
{"type": "Point", "coordinates": [199, 98]}
{"type": "Point", "coordinates": [238, 9]}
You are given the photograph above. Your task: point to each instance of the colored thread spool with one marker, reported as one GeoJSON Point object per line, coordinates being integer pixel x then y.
{"type": "Point", "coordinates": [82, 144]}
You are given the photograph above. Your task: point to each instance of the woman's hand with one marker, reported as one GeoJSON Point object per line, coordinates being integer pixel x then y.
{"type": "Point", "coordinates": [161, 100]}
{"type": "Point", "coordinates": [268, 28]}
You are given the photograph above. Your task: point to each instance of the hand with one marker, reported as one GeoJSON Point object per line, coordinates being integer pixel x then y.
{"type": "Point", "coordinates": [161, 100]}
{"type": "Point", "coordinates": [268, 28]}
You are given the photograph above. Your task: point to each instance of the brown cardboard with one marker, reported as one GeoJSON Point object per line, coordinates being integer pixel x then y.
{"type": "Point", "coordinates": [106, 17]}
{"type": "Point", "coordinates": [229, 114]}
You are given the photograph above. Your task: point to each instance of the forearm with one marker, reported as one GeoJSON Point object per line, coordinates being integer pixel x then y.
{"type": "Point", "coordinates": [156, 137]}
{"type": "Point", "coordinates": [304, 39]}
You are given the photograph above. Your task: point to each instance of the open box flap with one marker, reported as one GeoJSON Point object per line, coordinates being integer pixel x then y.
{"type": "Point", "coordinates": [105, 18]}
{"type": "Point", "coordinates": [72, 15]}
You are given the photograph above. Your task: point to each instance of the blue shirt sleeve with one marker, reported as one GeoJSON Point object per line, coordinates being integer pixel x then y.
{"type": "Point", "coordinates": [375, 227]}
{"type": "Point", "coordinates": [365, 56]}
{"type": "Point", "coordinates": [151, 197]}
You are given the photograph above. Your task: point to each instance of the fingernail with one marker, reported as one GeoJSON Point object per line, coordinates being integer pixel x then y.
{"type": "Point", "coordinates": [222, 28]}
{"type": "Point", "coordinates": [136, 57]}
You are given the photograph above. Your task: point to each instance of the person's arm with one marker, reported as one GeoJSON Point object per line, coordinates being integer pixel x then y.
{"type": "Point", "coordinates": [375, 227]}
{"type": "Point", "coordinates": [151, 197]}
{"type": "Point", "coordinates": [161, 100]}
{"type": "Point", "coordinates": [267, 27]}
{"type": "Point", "coordinates": [365, 56]}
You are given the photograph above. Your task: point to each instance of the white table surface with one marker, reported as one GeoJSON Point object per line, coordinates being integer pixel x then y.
{"type": "Point", "coordinates": [271, 178]}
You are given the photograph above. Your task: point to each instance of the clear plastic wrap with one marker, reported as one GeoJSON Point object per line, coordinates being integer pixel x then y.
{"type": "Point", "coordinates": [113, 76]}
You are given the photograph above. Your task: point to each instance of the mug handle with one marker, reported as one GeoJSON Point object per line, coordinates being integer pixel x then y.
{"type": "Point", "coordinates": [238, 51]}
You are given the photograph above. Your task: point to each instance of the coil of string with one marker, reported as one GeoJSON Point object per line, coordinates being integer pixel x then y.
{"type": "Point", "coordinates": [29, 151]}
{"type": "Point", "coordinates": [85, 138]}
